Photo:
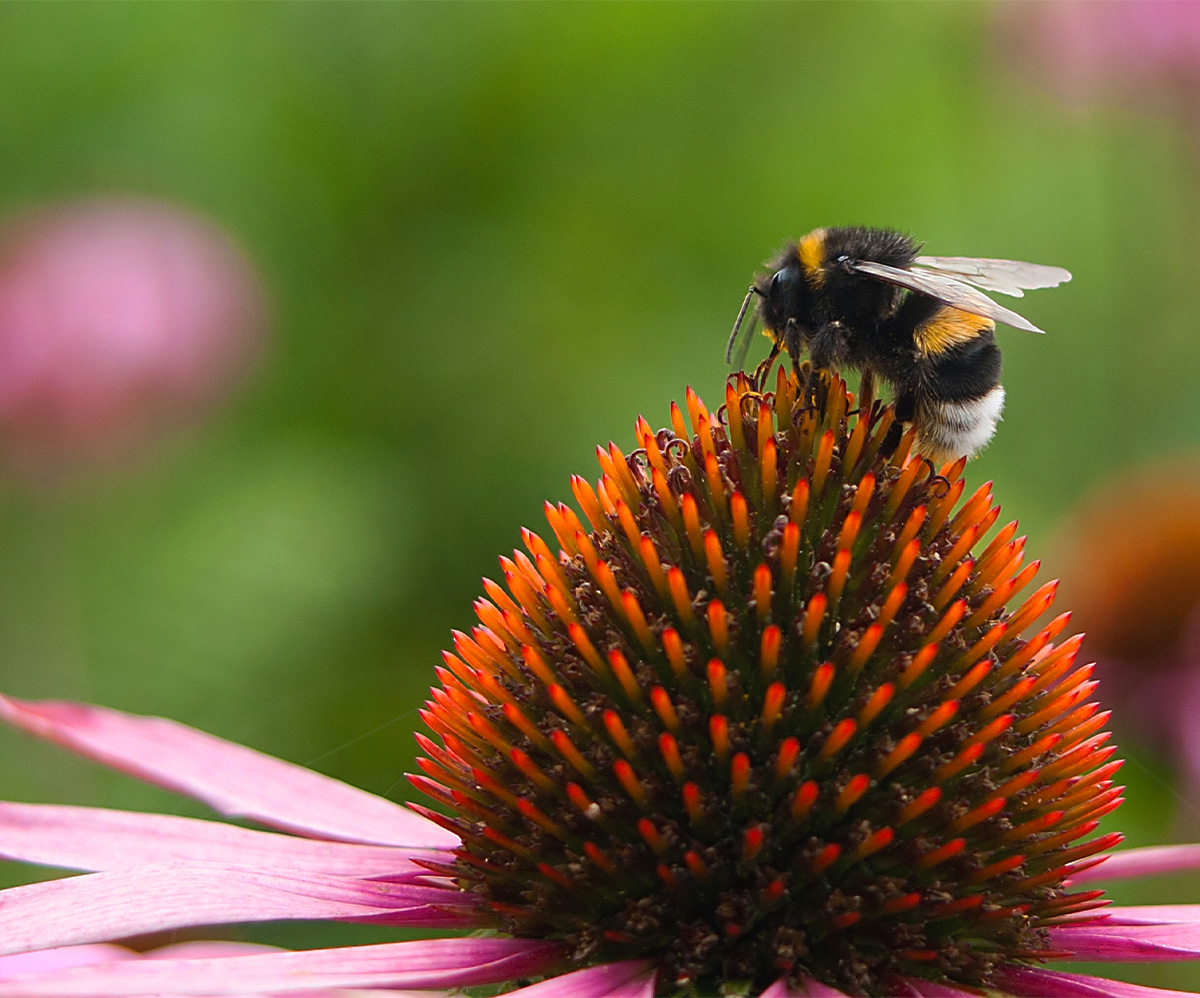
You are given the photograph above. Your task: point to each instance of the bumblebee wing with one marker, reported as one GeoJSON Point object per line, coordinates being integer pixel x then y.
{"type": "Point", "coordinates": [1010, 277]}
{"type": "Point", "coordinates": [944, 288]}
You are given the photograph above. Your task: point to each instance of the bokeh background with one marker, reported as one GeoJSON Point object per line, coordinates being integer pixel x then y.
{"type": "Point", "coordinates": [483, 239]}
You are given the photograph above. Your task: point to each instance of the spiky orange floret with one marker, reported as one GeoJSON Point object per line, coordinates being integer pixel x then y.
{"type": "Point", "coordinates": [765, 712]}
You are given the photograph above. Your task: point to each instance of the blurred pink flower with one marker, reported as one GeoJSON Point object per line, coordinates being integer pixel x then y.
{"type": "Point", "coordinates": [1146, 49]}
{"type": "Point", "coordinates": [1130, 565]}
{"type": "Point", "coordinates": [120, 320]}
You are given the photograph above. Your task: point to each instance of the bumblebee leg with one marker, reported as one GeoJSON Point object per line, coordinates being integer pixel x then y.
{"type": "Point", "coordinates": [906, 410]}
{"type": "Point", "coordinates": [759, 377]}
{"type": "Point", "coordinates": [866, 391]}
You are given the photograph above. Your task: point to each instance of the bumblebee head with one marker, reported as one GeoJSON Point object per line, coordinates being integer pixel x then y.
{"type": "Point", "coordinates": [781, 297]}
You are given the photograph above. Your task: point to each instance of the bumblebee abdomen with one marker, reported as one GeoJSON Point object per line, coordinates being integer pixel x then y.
{"type": "Point", "coordinates": [959, 398]}
{"type": "Point", "coordinates": [950, 428]}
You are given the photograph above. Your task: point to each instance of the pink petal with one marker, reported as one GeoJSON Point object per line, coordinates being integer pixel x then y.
{"type": "Point", "coordinates": [231, 778]}
{"type": "Point", "coordinates": [207, 948]}
{"type": "Point", "coordinates": [1143, 862]}
{"type": "Point", "coordinates": [61, 958]}
{"type": "Point", "coordinates": [1037, 983]}
{"type": "Point", "coordinates": [437, 963]}
{"type": "Point", "coordinates": [627, 979]}
{"type": "Point", "coordinates": [1151, 914]}
{"type": "Point", "coordinates": [1129, 943]}
{"type": "Point", "coordinates": [83, 838]}
{"type": "Point", "coordinates": [98, 907]}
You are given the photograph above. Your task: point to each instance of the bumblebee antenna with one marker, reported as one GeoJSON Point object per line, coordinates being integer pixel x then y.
{"type": "Point", "coordinates": [738, 324]}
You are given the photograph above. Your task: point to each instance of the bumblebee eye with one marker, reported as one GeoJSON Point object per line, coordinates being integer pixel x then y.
{"type": "Point", "coordinates": [782, 282]}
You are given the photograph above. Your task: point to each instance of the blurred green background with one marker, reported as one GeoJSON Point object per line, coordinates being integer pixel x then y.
{"type": "Point", "coordinates": [493, 235]}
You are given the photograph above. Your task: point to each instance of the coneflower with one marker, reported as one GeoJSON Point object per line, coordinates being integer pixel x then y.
{"type": "Point", "coordinates": [764, 723]}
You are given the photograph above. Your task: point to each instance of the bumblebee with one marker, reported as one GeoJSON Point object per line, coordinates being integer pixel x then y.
{"type": "Point", "coordinates": [864, 299]}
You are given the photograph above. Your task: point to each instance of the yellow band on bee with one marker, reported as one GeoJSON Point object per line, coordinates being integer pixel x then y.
{"type": "Point", "coordinates": [812, 254]}
{"type": "Point", "coordinates": [948, 328]}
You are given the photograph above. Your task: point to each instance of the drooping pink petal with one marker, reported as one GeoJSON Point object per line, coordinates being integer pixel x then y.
{"type": "Point", "coordinates": [1151, 914]}
{"type": "Point", "coordinates": [1035, 982]}
{"type": "Point", "coordinates": [61, 958]}
{"type": "Point", "coordinates": [1144, 862]}
{"type": "Point", "coordinates": [1129, 943]}
{"type": "Point", "coordinates": [231, 778]}
{"type": "Point", "coordinates": [86, 838]}
{"type": "Point", "coordinates": [627, 979]}
{"type": "Point", "coordinates": [98, 907]}
{"type": "Point", "coordinates": [438, 963]}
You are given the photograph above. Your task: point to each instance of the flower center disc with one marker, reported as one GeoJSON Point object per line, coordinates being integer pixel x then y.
{"type": "Point", "coordinates": [766, 713]}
